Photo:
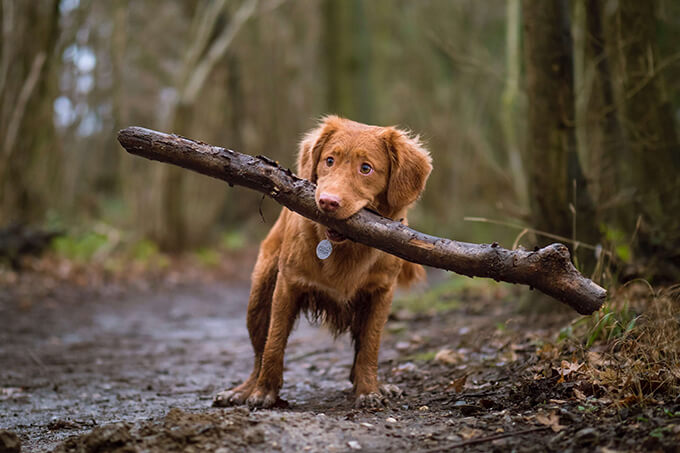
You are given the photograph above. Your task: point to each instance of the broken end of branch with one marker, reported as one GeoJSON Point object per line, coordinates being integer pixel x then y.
{"type": "Point", "coordinates": [565, 283]}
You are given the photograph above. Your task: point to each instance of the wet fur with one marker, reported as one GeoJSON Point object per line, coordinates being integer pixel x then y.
{"type": "Point", "coordinates": [352, 289]}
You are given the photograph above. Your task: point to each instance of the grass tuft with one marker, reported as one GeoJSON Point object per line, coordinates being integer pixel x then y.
{"type": "Point", "coordinates": [632, 345]}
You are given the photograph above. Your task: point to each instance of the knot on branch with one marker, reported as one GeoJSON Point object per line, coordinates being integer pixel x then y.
{"type": "Point", "coordinates": [555, 256]}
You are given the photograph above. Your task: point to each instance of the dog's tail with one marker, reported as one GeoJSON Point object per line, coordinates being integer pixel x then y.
{"type": "Point", "coordinates": [410, 273]}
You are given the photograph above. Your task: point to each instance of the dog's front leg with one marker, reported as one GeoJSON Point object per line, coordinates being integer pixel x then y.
{"type": "Point", "coordinates": [367, 339]}
{"type": "Point", "coordinates": [283, 315]}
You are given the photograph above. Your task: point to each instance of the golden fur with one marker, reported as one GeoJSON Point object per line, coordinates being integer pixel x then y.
{"type": "Point", "coordinates": [352, 289]}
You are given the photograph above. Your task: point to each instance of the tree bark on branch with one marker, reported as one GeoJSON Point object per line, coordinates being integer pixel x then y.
{"type": "Point", "coordinates": [548, 269]}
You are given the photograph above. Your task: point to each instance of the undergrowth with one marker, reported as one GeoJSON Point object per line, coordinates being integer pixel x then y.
{"type": "Point", "coordinates": [631, 347]}
{"type": "Point", "coordinates": [449, 294]}
{"type": "Point", "coordinates": [102, 253]}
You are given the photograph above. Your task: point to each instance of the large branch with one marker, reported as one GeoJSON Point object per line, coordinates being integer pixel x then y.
{"type": "Point", "coordinates": [548, 269]}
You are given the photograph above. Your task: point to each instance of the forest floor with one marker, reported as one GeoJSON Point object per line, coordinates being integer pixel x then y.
{"type": "Point", "coordinates": [131, 367]}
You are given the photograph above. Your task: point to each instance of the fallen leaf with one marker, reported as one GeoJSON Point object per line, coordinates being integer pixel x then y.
{"type": "Point", "coordinates": [566, 368]}
{"type": "Point", "coordinates": [448, 357]}
{"type": "Point", "coordinates": [552, 420]}
{"type": "Point", "coordinates": [594, 358]}
{"type": "Point", "coordinates": [457, 384]}
{"type": "Point", "coordinates": [469, 433]}
{"type": "Point", "coordinates": [608, 376]}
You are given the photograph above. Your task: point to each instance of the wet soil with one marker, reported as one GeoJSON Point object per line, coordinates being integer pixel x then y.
{"type": "Point", "coordinates": [136, 370]}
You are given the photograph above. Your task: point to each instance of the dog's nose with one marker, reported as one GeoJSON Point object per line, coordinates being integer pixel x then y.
{"type": "Point", "coordinates": [328, 202]}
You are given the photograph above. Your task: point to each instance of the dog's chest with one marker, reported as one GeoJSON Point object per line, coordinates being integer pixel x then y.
{"type": "Point", "coordinates": [343, 274]}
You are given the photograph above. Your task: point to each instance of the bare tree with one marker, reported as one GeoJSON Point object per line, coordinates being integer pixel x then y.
{"type": "Point", "coordinates": [348, 63]}
{"type": "Point", "coordinates": [210, 38]}
{"type": "Point", "coordinates": [601, 138]}
{"type": "Point", "coordinates": [559, 198]}
{"type": "Point", "coordinates": [511, 92]}
{"type": "Point", "coordinates": [647, 118]}
{"type": "Point", "coordinates": [28, 153]}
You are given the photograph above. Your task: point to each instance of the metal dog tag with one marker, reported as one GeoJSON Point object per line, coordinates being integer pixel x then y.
{"type": "Point", "coordinates": [324, 249]}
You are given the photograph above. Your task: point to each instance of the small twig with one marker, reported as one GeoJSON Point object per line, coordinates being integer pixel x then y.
{"type": "Point", "coordinates": [259, 209]}
{"type": "Point", "coordinates": [37, 360]}
{"type": "Point", "coordinates": [20, 107]}
{"type": "Point", "coordinates": [480, 440]}
{"type": "Point", "coordinates": [271, 6]}
{"type": "Point", "coordinates": [518, 238]}
{"type": "Point", "coordinates": [479, 394]}
{"type": "Point", "coordinates": [216, 51]}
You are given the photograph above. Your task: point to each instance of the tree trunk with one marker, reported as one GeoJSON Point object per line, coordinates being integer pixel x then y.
{"type": "Point", "coordinates": [347, 57]}
{"type": "Point", "coordinates": [511, 90]}
{"type": "Point", "coordinates": [211, 40]}
{"type": "Point", "coordinates": [603, 144]}
{"type": "Point", "coordinates": [548, 269]}
{"type": "Point", "coordinates": [559, 199]}
{"type": "Point", "coordinates": [649, 127]}
{"type": "Point", "coordinates": [28, 87]}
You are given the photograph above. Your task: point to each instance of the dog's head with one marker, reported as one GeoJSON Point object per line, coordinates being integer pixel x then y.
{"type": "Point", "coordinates": [357, 166]}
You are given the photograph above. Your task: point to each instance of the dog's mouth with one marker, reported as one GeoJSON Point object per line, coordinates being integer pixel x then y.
{"type": "Point", "coordinates": [334, 236]}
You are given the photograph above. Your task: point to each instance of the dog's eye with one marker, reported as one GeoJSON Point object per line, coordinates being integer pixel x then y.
{"type": "Point", "coordinates": [365, 169]}
{"type": "Point", "coordinates": [330, 161]}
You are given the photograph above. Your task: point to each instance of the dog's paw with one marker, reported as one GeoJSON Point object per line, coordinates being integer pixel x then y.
{"type": "Point", "coordinates": [391, 391]}
{"type": "Point", "coordinates": [381, 398]}
{"type": "Point", "coordinates": [262, 399]}
{"type": "Point", "coordinates": [371, 400]}
{"type": "Point", "coordinates": [229, 398]}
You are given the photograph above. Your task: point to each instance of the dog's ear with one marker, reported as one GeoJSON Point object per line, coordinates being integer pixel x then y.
{"type": "Point", "coordinates": [312, 144]}
{"type": "Point", "coordinates": [410, 165]}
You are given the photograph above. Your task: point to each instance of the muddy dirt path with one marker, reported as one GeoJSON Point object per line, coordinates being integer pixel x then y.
{"type": "Point", "coordinates": [66, 367]}
{"type": "Point", "coordinates": [137, 371]}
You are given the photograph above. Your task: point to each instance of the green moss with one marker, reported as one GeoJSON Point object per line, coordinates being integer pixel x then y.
{"type": "Point", "coordinates": [145, 250]}
{"type": "Point", "coordinates": [208, 256]}
{"type": "Point", "coordinates": [233, 240]}
{"type": "Point", "coordinates": [79, 248]}
{"type": "Point", "coordinates": [425, 356]}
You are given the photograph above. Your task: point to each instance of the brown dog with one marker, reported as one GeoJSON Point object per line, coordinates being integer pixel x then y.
{"type": "Point", "coordinates": [354, 166]}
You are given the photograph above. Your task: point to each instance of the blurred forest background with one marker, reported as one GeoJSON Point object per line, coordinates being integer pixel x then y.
{"type": "Point", "coordinates": [554, 116]}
